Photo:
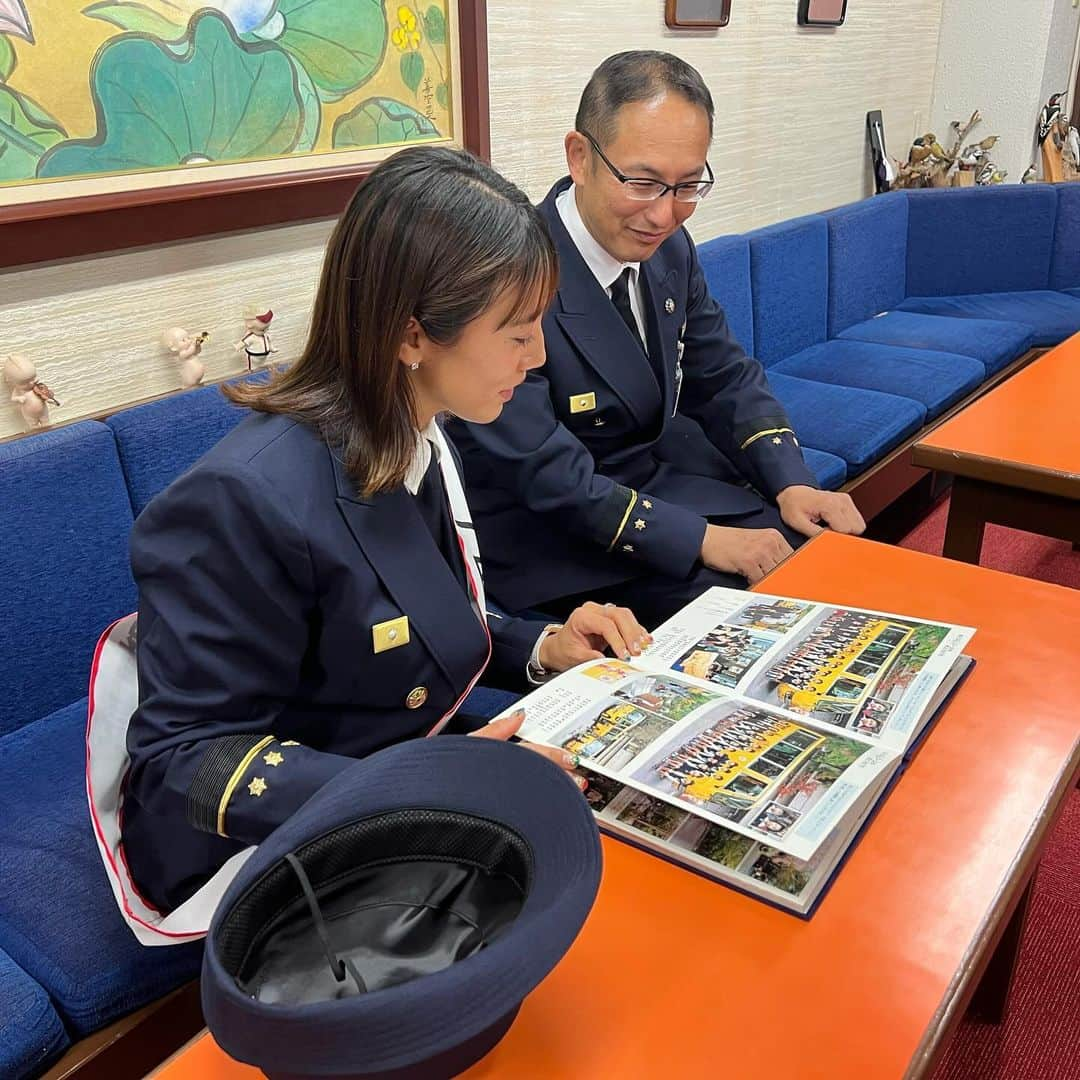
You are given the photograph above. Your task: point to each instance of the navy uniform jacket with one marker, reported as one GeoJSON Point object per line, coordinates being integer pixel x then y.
{"type": "Point", "coordinates": [596, 474]}
{"type": "Point", "coordinates": [261, 573]}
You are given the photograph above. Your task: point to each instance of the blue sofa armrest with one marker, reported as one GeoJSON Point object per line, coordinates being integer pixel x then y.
{"type": "Point", "coordinates": [789, 273]}
{"type": "Point", "coordinates": [867, 259]}
{"type": "Point", "coordinates": [980, 240]}
{"type": "Point", "coordinates": [725, 262]}
{"type": "Point", "coordinates": [64, 530]}
{"type": "Point", "coordinates": [31, 1034]}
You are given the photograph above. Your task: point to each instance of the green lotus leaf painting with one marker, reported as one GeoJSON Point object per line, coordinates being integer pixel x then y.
{"type": "Point", "coordinates": [340, 43]}
{"type": "Point", "coordinates": [381, 122]}
{"type": "Point", "coordinates": [130, 86]}
{"type": "Point", "coordinates": [25, 135]}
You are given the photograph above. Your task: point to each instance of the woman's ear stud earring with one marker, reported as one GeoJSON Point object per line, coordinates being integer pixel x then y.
{"type": "Point", "coordinates": [415, 365]}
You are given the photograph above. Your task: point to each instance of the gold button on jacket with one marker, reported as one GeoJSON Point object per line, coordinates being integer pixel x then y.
{"type": "Point", "coordinates": [417, 696]}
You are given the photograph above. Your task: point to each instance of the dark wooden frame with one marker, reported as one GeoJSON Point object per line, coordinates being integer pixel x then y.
{"type": "Point", "coordinates": [805, 20]}
{"type": "Point", "coordinates": [90, 224]}
{"type": "Point", "coordinates": [671, 17]}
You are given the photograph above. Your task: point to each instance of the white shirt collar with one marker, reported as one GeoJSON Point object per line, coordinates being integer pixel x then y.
{"type": "Point", "coordinates": [605, 267]}
{"type": "Point", "coordinates": [426, 445]}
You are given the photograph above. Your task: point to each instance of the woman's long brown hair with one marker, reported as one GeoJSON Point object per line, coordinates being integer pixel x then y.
{"type": "Point", "coordinates": [432, 233]}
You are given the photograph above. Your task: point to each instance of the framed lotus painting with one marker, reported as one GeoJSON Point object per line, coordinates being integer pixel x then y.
{"type": "Point", "coordinates": [218, 113]}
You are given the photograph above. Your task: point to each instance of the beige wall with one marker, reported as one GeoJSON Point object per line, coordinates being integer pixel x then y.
{"type": "Point", "coordinates": [93, 326]}
{"type": "Point", "coordinates": [789, 140]}
{"type": "Point", "coordinates": [1024, 55]}
{"type": "Point", "coordinates": [791, 102]}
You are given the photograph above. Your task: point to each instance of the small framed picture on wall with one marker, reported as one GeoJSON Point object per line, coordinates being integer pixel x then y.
{"type": "Point", "coordinates": [822, 12]}
{"type": "Point", "coordinates": [697, 14]}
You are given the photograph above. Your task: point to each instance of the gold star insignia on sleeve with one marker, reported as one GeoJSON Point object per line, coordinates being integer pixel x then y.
{"type": "Point", "coordinates": [777, 441]}
{"type": "Point", "coordinates": [628, 548]}
{"type": "Point", "coordinates": [273, 758]}
{"type": "Point", "coordinates": [257, 786]}
{"type": "Point", "coordinates": [639, 524]}
{"type": "Point", "coordinates": [647, 503]}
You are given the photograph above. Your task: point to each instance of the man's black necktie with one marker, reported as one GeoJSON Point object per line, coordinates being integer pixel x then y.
{"type": "Point", "coordinates": [620, 297]}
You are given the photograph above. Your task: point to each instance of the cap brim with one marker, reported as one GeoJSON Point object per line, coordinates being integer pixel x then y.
{"type": "Point", "coordinates": [422, 1019]}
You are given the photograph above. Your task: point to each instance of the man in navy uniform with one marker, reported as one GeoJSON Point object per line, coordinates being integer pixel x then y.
{"type": "Point", "coordinates": [648, 460]}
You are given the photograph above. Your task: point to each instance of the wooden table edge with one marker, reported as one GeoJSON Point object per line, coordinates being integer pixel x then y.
{"type": "Point", "coordinates": [178, 1053]}
{"type": "Point", "coordinates": [966, 979]}
{"type": "Point", "coordinates": [996, 471]}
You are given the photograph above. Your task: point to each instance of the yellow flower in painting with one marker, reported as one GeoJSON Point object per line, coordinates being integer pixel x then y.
{"type": "Point", "coordinates": [405, 36]}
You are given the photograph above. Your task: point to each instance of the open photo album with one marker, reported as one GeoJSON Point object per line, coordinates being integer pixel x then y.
{"type": "Point", "coordinates": [754, 738]}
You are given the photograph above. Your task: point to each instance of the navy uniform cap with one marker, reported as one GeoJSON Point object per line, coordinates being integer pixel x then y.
{"type": "Point", "coordinates": [393, 925]}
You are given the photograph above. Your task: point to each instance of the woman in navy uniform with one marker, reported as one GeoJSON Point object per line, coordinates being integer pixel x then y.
{"type": "Point", "coordinates": [310, 592]}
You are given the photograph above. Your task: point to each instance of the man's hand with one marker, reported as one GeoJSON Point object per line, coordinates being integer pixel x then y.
{"type": "Point", "coordinates": [809, 511]}
{"type": "Point", "coordinates": [749, 552]}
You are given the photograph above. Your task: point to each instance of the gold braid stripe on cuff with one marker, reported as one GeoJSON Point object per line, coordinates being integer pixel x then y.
{"type": "Point", "coordinates": [230, 787]}
{"type": "Point", "coordinates": [762, 434]}
{"type": "Point", "coordinates": [625, 519]}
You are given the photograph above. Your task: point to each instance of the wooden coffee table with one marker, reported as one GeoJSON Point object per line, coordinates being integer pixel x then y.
{"type": "Point", "coordinates": [1015, 455]}
{"type": "Point", "coordinates": [674, 975]}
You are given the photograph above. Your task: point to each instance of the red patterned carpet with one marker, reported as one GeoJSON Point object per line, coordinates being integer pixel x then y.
{"type": "Point", "coordinates": [1040, 1038]}
{"type": "Point", "coordinates": [1010, 550]}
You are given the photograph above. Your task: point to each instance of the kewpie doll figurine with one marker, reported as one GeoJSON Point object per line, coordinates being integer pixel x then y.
{"type": "Point", "coordinates": [256, 340]}
{"type": "Point", "coordinates": [187, 348]}
{"type": "Point", "coordinates": [31, 395]}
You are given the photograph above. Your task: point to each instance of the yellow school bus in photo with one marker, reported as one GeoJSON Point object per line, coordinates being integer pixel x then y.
{"type": "Point", "coordinates": [609, 722]}
{"type": "Point", "coordinates": [843, 684]}
{"type": "Point", "coordinates": [752, 771]}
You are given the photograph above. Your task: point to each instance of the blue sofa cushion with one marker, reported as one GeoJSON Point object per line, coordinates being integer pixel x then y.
{"type": "Point", "coordinates": [1065, 265]}
{"type": "Point", "coordinates": [830, 470]}
{"type": "Point", "coordinates": [980, 240]}
{"type": "Point", "coordinates": [1052, 316]}
{"type": "Point", "coordinates": [58, 918]}
{"type": "Point", "coordinates": [936, 379]}
{"type": "Point", "coordinates": [993, 342]}
{"type": "Point", "coordinates": [725, 262]}
{"type": "Point", "coordinates": [485, 702]}
{"type": "Point", "coordinates": [160, 440]}
{"type": "Point", "coordinates": [856, 425]}
{"type": "Point", "coordinates": [31, 1033]}
{"type": "Point", "coordinates": [64, 534]}
{"type": "Point", "coordinates": [789, 273]}
{"type": "Point", "coordinates": [867, 259]}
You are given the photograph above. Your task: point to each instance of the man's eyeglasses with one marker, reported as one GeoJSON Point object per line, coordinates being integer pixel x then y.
{"type": "Point", "coordinates": [642, 189]}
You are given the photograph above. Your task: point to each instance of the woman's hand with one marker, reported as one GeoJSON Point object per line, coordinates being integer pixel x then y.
{"type": "Point", "coordinates": [508, 727]}
{"type": "Point", "coordinates": [590, 629]}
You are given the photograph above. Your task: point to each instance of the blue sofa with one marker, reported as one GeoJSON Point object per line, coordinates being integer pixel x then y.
{"type": "Point", "coordinates": [874, 318]}
{"type": "Point", "coordinates": [69, 966]}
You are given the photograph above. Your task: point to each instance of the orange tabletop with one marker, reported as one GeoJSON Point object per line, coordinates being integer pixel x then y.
{"type": "Point", "coordinates": [674, 975]}
{"type": "Point", "coordinates": [1025, 427]}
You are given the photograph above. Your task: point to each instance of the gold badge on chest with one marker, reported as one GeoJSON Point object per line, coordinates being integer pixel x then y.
{"type": "Point", "coordinates": [582, 403]}
{"type": "Point", "coordinates": [390, 634]}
